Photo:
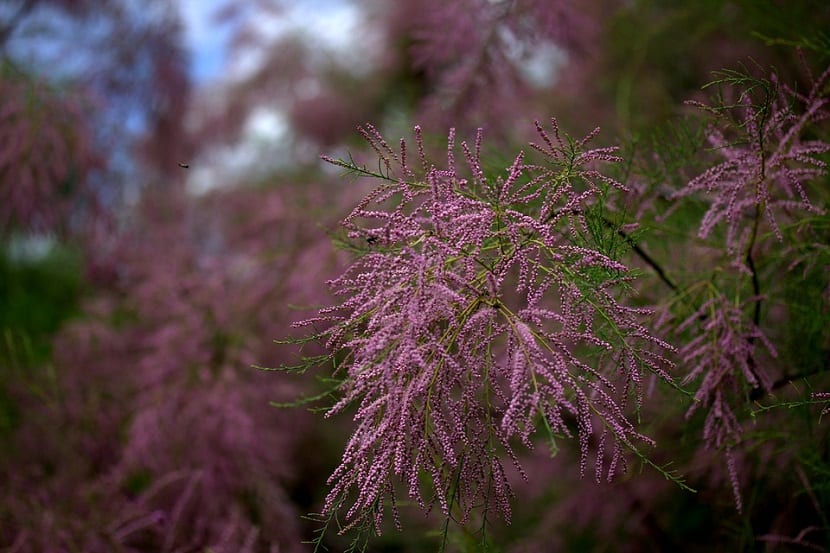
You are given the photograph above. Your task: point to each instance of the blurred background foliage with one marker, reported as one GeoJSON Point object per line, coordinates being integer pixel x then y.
{"type": "Point", "coordinates": [159, 228]}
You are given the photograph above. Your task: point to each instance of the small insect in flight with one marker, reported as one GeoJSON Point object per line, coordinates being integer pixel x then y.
{"type": "Point", "coordinates": [184, 165]}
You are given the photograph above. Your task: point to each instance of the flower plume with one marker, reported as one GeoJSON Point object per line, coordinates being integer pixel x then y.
{"type": "Point", "coordinates": [766, 160]}
{"type": "Point", "coordinates": [479, 308]}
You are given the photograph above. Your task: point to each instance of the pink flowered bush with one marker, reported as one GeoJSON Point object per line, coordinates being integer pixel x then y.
{"type": "Point", "coordinates": [493, 373]}
{"type": "Point", "coordinates": [478, 56]}
{"type": "Point", "coordinates": [46, 152]}
{"type": "Point", "coordinates": [168, 438]}
{"type": "Point", "coordinates": [485, 308]}
{"type": "Point", "coordinates": [767, 166]}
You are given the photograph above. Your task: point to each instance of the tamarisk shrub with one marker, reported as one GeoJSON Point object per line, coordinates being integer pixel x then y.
{"type": "Point", "coordinates": [484, 60]}
{"type": "Point", "coordinates": [45, 154]}
{"type": "Point", "coordinates": [154, 433]}
{"type": "Point", "coordinates": [478, 309]}
{"type": "Point", "coordinates": [765, 158]}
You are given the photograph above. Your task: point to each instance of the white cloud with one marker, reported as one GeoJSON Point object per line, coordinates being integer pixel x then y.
{"type": "Point", "coordinates": [262, 146]}
{"type": "Point", "coordinates": [334, 27]}
{"type": "Point", "coordinates": [331, 26]}
{"type": "Point", "coordinates": [266, 124]}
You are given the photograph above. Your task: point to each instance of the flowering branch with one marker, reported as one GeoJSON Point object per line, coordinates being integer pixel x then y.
{"type": "Point", "coordinates": [766, 162]}
{"type": "Point", "coordinates": [762, 178]}
{"type": "Point", "coordinates": [479, 308]}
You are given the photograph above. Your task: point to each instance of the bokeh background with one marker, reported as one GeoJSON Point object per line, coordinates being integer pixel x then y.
{"type": "Point", "coordinates": [165, 216]}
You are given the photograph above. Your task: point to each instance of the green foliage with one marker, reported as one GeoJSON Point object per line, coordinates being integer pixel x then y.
{"type": "Point", "coordinates": [37, 294]}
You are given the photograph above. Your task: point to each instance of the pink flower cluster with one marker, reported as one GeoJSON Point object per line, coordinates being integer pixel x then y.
{"type": "Point", "coordinates": [767, 161]}
{"type": "Point", "coordinates": [479, 309]}
{"type": "Point", "coordinates": [45, 153]}
{"type": "Point", "coordinates": [725, 357]}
